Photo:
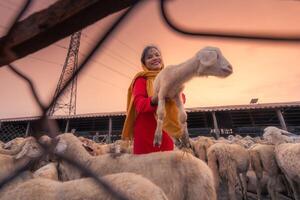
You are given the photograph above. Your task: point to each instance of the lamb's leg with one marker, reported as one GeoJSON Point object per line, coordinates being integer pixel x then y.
{"type": "Point", "coordinates": [287, 185]}
{"type": "Point", "coordinates": [258, 186]}
{"type": "Point", "coordinates": [272, 183]}
{"type": "Point", "coordinates": [244, 185]}
{"type": "Point", "coordinates": [160, 118]}
{"type": "Point", "coordinates": [182, 119]}
{"type": "Point", "coordinates": [295, 187]}
{"type": "Point", "coordinates": [231, 189]}
{"type": "Point", "coordinates": [258, 169]}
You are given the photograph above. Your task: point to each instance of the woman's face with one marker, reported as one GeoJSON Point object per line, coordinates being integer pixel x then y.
{"type": "Point", "coordinates": [153, 59]}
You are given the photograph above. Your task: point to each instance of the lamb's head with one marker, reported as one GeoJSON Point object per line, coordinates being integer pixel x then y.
{"type": "Point", "coordinates": [275, 135]}
{"type": "Point", "coordinates": [31, 149]}
{"type": "Point", "coordinates": [213, 63]}
{"type": "Point", "coordinates": [13, 143]}
{"type": "Point", "coordinates": [68, 144]}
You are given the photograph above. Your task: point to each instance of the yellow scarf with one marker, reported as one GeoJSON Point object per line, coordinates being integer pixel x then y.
{"type": "Point", "coordinates": [171, 123]}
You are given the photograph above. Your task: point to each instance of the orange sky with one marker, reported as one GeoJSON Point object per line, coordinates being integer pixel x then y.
{"type": "Point", "coordinates": [265, 70]}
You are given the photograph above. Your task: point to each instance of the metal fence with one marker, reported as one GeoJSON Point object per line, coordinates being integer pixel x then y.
{"type": "Point", "coordinates": [52, 127]}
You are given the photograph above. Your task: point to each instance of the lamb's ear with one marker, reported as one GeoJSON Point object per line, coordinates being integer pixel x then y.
{"type": "Point", "coordinates": [207, 57]}
{"type": "Point", "coordinates": [87, 147]}
{"type": "Point", "coordinates": [283, 132]}
{"type": "Point", "coordinates": [61, 146]}
{"type": "Point", "coordinates": [22, 152]}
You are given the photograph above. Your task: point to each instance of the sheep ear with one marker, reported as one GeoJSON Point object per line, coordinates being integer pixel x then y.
{"type": "Point", "coordinates": [61, 146]}
{"type": "Point", "coordinates": [22, 152]}
{"type": "Point", "coordinates": [283, 132]}
{"type": "Point", "coordinates": [207, 57]}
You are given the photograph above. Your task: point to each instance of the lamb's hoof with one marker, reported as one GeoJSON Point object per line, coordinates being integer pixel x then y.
{"type": "Point", "coordinates": [157, 140]}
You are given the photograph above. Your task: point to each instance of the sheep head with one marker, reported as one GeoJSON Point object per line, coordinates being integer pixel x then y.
{"type": "Point", "coordinates": [213, 63]}
{"type": "Point", "coordinates": [15, 142]}
{"type": "Point", "coordinates": [275, 135]}
{"type": "Point", "coordinates": [61, 146]}
{"type": "Point", "coordinates": [31, 149]}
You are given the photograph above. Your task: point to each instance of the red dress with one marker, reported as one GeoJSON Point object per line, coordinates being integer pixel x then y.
{"type": "Point", "coordinates": [145, 123]}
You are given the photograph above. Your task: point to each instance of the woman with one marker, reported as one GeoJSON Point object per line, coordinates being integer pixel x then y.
{"type": "Point", "coordinates": [140, 121]}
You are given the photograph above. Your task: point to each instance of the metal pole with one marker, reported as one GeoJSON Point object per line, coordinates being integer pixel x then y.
{"type": "Point", "coordinates": [67, 126]}
{"type": "Point", "coordinates": [217, 131]}
{"type": "Point", "coordinates": [281, 119]}
{"type": "Point", "coordinates": [27, 129]}
{"type": "Point", "coordinates": [109, 130]}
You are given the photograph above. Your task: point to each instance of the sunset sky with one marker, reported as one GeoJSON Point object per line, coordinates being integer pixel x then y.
{"type": "Point", "coordinates": [269, 71]}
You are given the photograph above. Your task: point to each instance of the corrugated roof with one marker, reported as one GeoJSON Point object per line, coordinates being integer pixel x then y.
{"type": "Point", "coordinates": [245, 107]}
{"type": "Point", "coordinates": [197, 109]}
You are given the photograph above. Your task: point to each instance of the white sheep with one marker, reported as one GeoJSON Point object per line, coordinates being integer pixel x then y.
{"type": "Point", "coordinates": [8, 163]}
{"type": "Point", "coordinates": [169, 84]}
{"type": "Point", "coordinates": [263, 160]}
{"type": "Point", "coordinates": [179, 177]}
{"type": "Point", "coordinates": [134, 186]}
{"type": "Point", "coordinates": [201, 146]}
{"type": "Point", "coordinates": [48, 171]}
{"type": "Point", "coordinates": [287, 156]}
{"type": "Point", "coordinates": [13, 147]}
{"type": "Point", "coordinates": [228, 161]}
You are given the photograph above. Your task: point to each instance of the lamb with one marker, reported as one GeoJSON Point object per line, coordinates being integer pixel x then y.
{"type": "Point", "coordinates": [263, 160]}
{"type": "Point", "coordinates": [134, 186]}
{"type": "Point", "coordinates": [179, 177]}
{"type": "Point", "coordinates": [169, 83]}
{"type": "Point", "coordinates": [228, 161]}
{"type": "Point", "coordinates": [14, 142]}
{"type": "Point", "coordinates": [48, 171]}
{"type": "Point", "coordinates": [94, 148]}
{"type": "Point", "coordinates": [287, 155]}
{"type": "Point", "coordinates": [201, 146]}
{"type": "Point", "coordinates": [8, 163]}
{"type": "Point", "coordinates": [13, 147]}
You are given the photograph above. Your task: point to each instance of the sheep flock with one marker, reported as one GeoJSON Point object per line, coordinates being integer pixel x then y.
{"type": "Point", "coordinates": [238, 167]}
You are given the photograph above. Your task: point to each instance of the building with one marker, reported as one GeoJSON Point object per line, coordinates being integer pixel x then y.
{"type": "Point", "coordinates": [248, 119]}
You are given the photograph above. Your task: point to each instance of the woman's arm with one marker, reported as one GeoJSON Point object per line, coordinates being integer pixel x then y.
{"type": "Point", "coordinates": [142, 102]}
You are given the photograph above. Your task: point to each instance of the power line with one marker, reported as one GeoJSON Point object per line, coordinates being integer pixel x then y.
{"type": "Point", "coordinates": [119, 59]}
{"type": "Point", "coordinates": [10, 3]}
{"type": "Point", "coordinates": [98, 62]}
{"type": "Point", "coordinates": [6, 6]}
{"type": "Point", "coordinates": [125, 44]}
{"type": "Point", "coordinates": [116, 55]}
{"type": "Point", "coordinates": [47, 61]}
{"type": "Point", "coordinates": [89, 75]}
{"type": "Point", "coordinates": [106, 66]}
{"type": "Point", "coordinates": [129, 47]}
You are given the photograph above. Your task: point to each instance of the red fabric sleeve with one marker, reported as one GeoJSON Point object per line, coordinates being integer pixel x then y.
{"type": "Point", "coordinates": [141, 100]}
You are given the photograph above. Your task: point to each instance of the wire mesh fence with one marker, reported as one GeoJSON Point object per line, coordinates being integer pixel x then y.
{"type": "Point", "coordinates": [11, 131]}
{"type": "Point", "coordinates": [8, 132]}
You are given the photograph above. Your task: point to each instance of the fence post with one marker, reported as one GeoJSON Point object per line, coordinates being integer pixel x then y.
{"type": "Point", "coordinates": [67, 126]}
{"type": "Point", "coordinates": [281, 119]}
{"type": "Point", "coordinates": [27, 129]}
{"type": "Point", "coordinates": [109, 130]}
{"type": "Point", "coordinates": [217, 131]}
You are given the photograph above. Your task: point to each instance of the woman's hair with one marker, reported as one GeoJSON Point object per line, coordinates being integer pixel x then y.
{"type": "Point", "coordinates": [145, 51]}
